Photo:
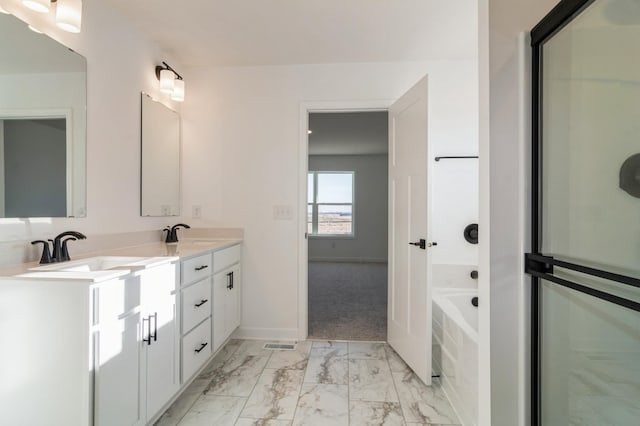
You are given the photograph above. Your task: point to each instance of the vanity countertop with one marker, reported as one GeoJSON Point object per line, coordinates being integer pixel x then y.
{"type": "Point", "coordinates": [151, 254]}
{"type": "Point", "coordinates": [185, 248]}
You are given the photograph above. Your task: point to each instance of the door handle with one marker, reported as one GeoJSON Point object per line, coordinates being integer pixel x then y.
{"type": "Point", "coordinates": [422, 244]}
{"type": "Point", "coordinates": [202, 302]}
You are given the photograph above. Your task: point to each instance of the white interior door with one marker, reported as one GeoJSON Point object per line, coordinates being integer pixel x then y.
{"type": "Point", "coordinates": [409, 308]}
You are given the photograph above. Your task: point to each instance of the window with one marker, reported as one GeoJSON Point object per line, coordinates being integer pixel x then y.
{"type": "Point", "coordinates": [330, 203]}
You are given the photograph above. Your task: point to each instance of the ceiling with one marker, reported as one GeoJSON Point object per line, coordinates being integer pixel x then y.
{"type": "Point", "coordinates": [281, 32]}
{"type": "Point", "coordinates": [348, 133]}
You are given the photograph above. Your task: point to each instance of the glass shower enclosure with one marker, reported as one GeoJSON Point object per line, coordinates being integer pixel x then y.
{"type": "Point", "coordinates": [585, 254]}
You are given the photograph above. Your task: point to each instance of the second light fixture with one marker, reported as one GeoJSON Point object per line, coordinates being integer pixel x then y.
{"type": "Point", "coordinates": [170, 82]}
{"type": "Point", "coordinates": [68, 12]}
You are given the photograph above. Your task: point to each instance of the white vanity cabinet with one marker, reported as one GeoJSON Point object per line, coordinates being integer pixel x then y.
{"type": "Point", "coordinates": [210, 304]}
{"type": "Point", "coordinates": [118, 355]}
{"type": "Point", "coordinates": [226, 294]}
{"type": "Point", "coordinates": [74, 350]}
{"type": "Point", "coordinates": [160, 342]}
{"type": "Point", "coordinates": [196, 302]}
{"type": "Point", "coordinates": [136, 361]}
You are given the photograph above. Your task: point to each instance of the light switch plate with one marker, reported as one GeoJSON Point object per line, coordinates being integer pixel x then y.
{"type": "Point", "coordinates": [282, 212]}
{"type": "Point", "coordinates": [196, 211]}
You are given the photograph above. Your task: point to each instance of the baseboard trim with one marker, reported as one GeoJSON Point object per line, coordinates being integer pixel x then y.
{"type": "Point", "coordinates": [347, 260]}
{"type": "Point", "coordinates": [255, 333]}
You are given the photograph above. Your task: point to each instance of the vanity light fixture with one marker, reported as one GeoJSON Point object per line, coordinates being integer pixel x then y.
{"type": "Point", "coordinates": [178, 91]}
{"type": "Point", "coordinates": [68, 13]}
{"type": "Point", "coordinates": [40, 6]}
{"type": "Point", "coordinates": [170, 81]}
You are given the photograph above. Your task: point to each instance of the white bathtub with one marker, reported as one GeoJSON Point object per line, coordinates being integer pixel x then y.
{"type": "Point", "coordinates": [455, 349]}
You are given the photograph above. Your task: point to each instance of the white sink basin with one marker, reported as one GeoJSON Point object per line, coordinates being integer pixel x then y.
{"type": "Point", "coordinates": [100, 263]}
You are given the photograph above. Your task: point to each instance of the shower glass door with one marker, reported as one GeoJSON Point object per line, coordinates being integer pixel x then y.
{"type": "Point", "coordinates": [585, 259]}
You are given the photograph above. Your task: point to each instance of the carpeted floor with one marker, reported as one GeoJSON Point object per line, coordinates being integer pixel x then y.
{"type": "Point", "coordinates": [348, 301]}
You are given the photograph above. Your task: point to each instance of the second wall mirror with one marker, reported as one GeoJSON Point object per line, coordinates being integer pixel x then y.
{"type": "Point", "coordinates": [160, 160]}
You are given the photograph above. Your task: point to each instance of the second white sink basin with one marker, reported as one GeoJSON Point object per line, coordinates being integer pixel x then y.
{"type": "Point", "coordinates": [100, 263]}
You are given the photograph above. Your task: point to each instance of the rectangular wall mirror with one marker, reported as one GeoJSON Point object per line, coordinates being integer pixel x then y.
{"type": "Point", "coordinates": [160, 177]}
{"type": "Point", "coordinates": [43, 100]}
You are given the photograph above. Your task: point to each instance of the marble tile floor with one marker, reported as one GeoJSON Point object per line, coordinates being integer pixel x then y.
{"type": "Point", "coordinates": [320, 383]}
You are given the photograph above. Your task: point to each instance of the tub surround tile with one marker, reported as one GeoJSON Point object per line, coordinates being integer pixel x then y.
{"type": "Point", "coordinates": [328, 365]}
{"type": "Point", "coordinates": [321, 404]}
{"type": "Point", "coordinates": [371, 380]}
{"type": "Point", "coordinates": [291, 359]}
{"type": "Point", "coordinates": [366, 350]}
{"type": "Point", "coordinates": [421, 403]}
{"type": "Point", "coordinates": [363, 413]}
{"type": "Point", "coordinates": [213, 410]}
{"type": "Point", "coordinates": [275, 395]}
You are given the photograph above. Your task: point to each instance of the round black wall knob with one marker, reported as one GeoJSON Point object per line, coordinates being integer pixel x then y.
{"type": "Point", "coordinates": [471, 233]}
{"type": "Point", "coordinates": [630, 176]}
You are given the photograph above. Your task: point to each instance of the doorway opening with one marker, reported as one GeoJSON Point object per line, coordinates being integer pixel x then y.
{"type": "Point", "coordinates": [347, 217]}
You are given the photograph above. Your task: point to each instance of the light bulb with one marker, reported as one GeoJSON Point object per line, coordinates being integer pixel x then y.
{"type": "Point", "coordinates": [69, 15]}
{"type": "Point", "coordinates": [167, 78]}
{"type": "Point", "coordinates": [41, 6]}
{"type": "Point", "coordinates": [178, 91]}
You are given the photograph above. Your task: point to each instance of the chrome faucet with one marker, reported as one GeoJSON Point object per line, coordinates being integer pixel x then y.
{"type": "Point", "coordinates": [172, 234]}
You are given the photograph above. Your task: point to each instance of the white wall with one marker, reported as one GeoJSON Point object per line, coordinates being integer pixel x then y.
{"type": "Point", "coordinates": [507, 204]}
{"type": "Point", "coordinates": [241, 141]}
{"type": "Point", "coordinates": [455, 205]}
{"type": "Point", "coordinates": [369, 243]}
{"type": "Point", "coordinates": [120, 64]}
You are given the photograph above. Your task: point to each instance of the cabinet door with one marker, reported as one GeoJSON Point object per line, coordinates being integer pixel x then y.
{"type": "Point", "coordinates": [118, 367]}
{"type": "Point", "coordinates": [220, 283]}
{"type": "Point", "coordinates": [159, 301]}
{"type": "Point", "coordinates": [232, 301]}
{"type": "Point", "coordinates": [226, 304]}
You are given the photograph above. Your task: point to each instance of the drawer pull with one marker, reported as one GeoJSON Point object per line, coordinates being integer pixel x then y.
{"type": "Point", "coordinates": [202, 302]}
{"type": "Point", "coordinates": [200, 268]}
{"type": "Point", "coordinates": [230, 280]}
{"type": "Point", "coordinates": [202, 346]}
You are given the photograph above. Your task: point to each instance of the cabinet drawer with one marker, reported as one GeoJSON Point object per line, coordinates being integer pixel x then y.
{"type": "Point", "coordinates": [196, 268]}
{"type": "Point", "coordinates": [196, 349]}
{"type": "Point", "coordinates": [225, 258]}
{"type": "Point", "coordinates": [196, 304]}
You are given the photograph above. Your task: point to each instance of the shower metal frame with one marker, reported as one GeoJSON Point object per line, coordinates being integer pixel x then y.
{"type": "Point", "coordinates": [537, 264]}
